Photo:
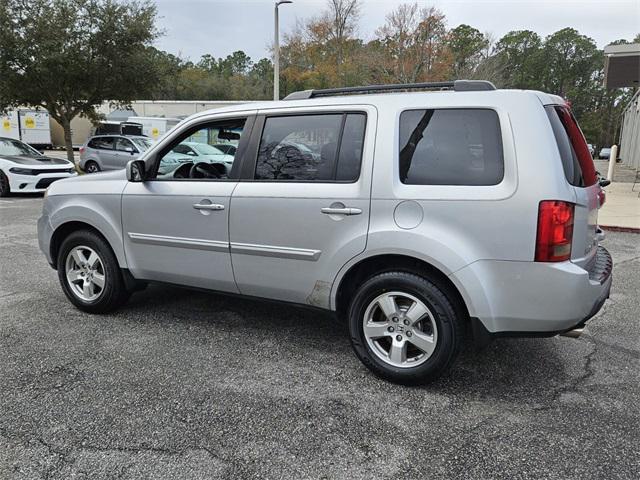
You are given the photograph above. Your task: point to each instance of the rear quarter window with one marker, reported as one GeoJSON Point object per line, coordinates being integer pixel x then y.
{"type": "Point", "coordinates": [576, 159]}
{"type": "Point", "coordinates": [451, 147]}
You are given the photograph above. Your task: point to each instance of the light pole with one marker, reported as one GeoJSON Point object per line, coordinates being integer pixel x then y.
{"type": "Point", "coordinates": [276, 52]}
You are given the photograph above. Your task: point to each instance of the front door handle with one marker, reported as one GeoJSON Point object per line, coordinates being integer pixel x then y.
{"type": "Point", "coordinates": [208, 206]}
{"type": "Point", "coordinates": [341, 211]}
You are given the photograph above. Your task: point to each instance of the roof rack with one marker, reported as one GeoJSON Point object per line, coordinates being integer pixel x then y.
{"type": "Point", "coordinates": [456, 86]}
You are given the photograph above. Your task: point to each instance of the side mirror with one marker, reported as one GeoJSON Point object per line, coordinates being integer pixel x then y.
{"type": "Point", "coordinates": [135, 171]}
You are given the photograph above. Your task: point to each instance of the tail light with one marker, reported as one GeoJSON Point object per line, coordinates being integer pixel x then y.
{"type": "Point", "coordinates": [81, 150]}
{"type": "Point", "coordinates": [602, 197]}
{"type": "Point", "coordinates": [555, 231]}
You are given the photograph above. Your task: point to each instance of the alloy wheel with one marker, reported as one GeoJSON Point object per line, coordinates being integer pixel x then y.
{"type": "Point", "coordinates": [85, 273]}
{"type": "Point", "coordinates": [92, 167]}
{"type": "Point", "coordinates": [400, 329]}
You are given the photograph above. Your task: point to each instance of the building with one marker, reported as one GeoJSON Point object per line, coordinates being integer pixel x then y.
{"type": "Point", "coordinates": [622, 70]}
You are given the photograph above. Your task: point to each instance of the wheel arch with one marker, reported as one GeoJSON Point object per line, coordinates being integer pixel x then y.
{"type": "Point", "coordinates": [92, 160]}
{"type": "Point", "coordinates": [346, 285]}
{"type": "Point", "coordinates": [63, 230]}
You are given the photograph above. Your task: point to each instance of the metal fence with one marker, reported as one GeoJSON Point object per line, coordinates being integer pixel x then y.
{"type": "Point", "coordinates": [630, 133]}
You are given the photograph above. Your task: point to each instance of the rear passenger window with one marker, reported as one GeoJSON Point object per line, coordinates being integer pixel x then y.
{"type": "Point", "coordinates": [102, 143]}
{"type": "Point", "coordinates": [326, 147]}
{"type": "Point", "coordinates": [451, 147]}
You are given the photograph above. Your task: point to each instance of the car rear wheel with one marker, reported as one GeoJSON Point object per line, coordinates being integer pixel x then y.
{"type": "Point", "coordinates": [4, 185]}
{"type": "Point", "coordinates": [91, 167]}
{"type": "Point", "coordinates": [89, 273]}
{"type": "Point", "coordinates": [404, 328]}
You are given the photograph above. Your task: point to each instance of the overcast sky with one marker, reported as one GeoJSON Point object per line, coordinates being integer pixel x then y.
{"type": "Point", "coordinates": [219, 27]}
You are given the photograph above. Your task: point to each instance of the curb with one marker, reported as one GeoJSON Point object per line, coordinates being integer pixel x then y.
{"type": "Point", "coordinates": [614, 228]}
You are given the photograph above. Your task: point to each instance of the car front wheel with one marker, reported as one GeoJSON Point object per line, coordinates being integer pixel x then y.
{"type": "Point", "coordinates": [89, 273]}
{"type": "Point", "coordinates": [4, 185]}
{"type": "Point", "coordinates": [404, 328]}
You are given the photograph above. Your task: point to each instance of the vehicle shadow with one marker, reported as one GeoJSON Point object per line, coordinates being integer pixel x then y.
{"type": "Point", "coordinates": [521, 370]}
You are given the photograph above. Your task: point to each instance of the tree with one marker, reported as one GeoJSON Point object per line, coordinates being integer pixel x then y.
{"type": "Point", "coordinates": [238, 63]}
{"type": "Point", "coordinates": [518, 54]}
{"type": "Point", "coordinates": [341, 20]}
{"type": "Point", "coordinates": [168, 68]}
{"type": "Point", "coordinates": [413, 44]}
{"type": "Point", "coordinates": [569, 61]}
{"type": "Point", "coordinates": [467, 46]}
{"type": "Point", "coordinates": [323, 51]}
{"type": "Point", "coordinates": [71, 56]}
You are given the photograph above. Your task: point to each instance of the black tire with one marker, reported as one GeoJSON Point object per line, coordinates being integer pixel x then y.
{"type": "Point", "coordinates": [5, 190]}
{"type": "Point", "coordinates": [91, 167]}
{"type": "Point", "coordinates": [450, 328]}
{"type": "Point", "coordinates": [114, 293]}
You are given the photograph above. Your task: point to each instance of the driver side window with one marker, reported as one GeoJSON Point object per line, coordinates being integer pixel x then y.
{"type": "Point", "coordinates": [203, 152]}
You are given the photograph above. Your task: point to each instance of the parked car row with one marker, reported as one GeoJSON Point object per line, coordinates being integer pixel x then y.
{"type": "Point", "coordinates": [23, 169]}
{"type": "Point", "coordinates": [112, 152]}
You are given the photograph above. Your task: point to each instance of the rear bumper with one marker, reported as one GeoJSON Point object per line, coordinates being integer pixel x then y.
{"type": "Point", "coordinates": [535, 299]}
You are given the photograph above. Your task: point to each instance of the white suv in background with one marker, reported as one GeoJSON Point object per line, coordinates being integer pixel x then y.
{"type": "Point", "coordinates": [419, 217]}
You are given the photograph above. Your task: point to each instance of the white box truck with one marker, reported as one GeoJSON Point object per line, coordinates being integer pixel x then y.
{"type": "Point", "coordinates": [155, 127]}
{"type": "Point", "coordinates": [9, 126]}
{"type": "Point", "coordinates": [34, 127]}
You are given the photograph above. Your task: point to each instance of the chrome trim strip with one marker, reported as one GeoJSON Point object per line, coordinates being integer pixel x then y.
{"type": "Point", "coordinates": [193, 243]}
{"type": "Point", "coordinates": [280, 252]}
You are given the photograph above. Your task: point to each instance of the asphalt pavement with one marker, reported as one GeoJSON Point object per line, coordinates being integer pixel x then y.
{"type": "Point", "coordinates": [182, 384]}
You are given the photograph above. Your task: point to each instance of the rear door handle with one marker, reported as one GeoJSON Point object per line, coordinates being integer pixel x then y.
{"type": "Point", "coordinates": [208, 206]}
{"type": "Point", "coordinates": [341, 211]}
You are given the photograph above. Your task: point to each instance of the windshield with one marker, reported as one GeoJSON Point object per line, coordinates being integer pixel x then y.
{"type": "Point", "coordinates": [142, 143]}
{"type": "Point", "coordinates": [206, 149]}
{"type": "Point", "coordinates": [15, 147]}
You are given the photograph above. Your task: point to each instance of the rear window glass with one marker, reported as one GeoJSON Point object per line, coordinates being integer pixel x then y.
{"type": "Point", "coordinates": [576, 159]}
{"type": "Point", "coordinates": [451, 147]}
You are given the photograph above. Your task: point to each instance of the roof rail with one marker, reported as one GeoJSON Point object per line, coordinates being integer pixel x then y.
{"type": "Point", "coordinates": [456, 86]}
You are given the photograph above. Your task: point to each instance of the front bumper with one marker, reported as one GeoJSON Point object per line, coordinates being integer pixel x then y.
{"type": "Point", "coordinates": [45, 232]}
{"type": "Point", "coordinates": [35, 183]}
{"type": "Point", "coordinates": [530, 298]}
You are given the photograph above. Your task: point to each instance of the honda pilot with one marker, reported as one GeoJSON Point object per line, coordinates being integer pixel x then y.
{"type": "Point", "coordinates": [418, 213]}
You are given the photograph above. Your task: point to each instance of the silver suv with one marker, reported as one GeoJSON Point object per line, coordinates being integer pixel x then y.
{"type": "Point", "coordinates": [419, 217]}
{"type": "Point", "coordinates": [111, 152]}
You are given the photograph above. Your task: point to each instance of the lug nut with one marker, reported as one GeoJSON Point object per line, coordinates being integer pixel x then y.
{"type": "Point", "coordinates": [391, 329]}
{"type": "Point", "coordinates": [409, 333]}
{"type": "Point", "coordinates": [399, 338]}
{"type": "Point", "coordinates": [395, 319]}
{"type": "Point", "coordinates": [406, 322]}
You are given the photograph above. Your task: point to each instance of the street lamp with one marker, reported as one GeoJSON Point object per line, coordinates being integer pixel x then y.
{"type": "Point", "coordinates": [276, 53]}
